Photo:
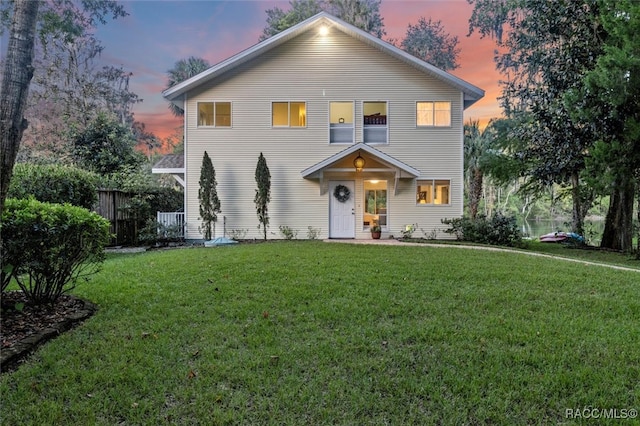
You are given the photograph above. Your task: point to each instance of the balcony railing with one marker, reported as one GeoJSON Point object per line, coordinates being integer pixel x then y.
{"type": "Point", "coordinates": [171, 220]}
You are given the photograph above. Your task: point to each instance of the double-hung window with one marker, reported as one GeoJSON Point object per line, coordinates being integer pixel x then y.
{"type": "Point", "coordinates": [375, 123]}
{"type": "Point", "coordinates": [288, 114]}
{"type": "Point", "coordinates": [433, 114]}
{"type": "Point", "coordinates": [341, 128]}
{"type": "Point", "coordinates": [214, 114]}
{"type": "Point", "coordinates": [433, 191]}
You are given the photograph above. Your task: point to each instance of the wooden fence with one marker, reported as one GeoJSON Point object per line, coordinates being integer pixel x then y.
{"type": "Point", "coordinates": [112, 205]}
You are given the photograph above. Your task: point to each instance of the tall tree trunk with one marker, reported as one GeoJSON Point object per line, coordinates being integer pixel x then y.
{"type": "Point", "coordinates": [16, 77]}
{"type": "Point", "coordinates": [577, 220]}
{"type": "Point", "coordinates": [475, 192]}
{"type": "Point", "coordinates": [638, 224]}
{"type": "Point", "coordinates": [618, 227]}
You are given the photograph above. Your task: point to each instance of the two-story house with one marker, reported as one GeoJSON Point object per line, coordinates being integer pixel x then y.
{"type": "Point", "coordinates": [354, 130]}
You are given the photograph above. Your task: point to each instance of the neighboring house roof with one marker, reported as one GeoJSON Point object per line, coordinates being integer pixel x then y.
{"type": "Point", "coordinates": [176, 93]}
{"type": "Point", "coordinates": [170, 163]}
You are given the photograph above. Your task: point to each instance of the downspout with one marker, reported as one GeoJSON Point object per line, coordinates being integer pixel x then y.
{"type": "Point", "coordinates": [185, 163]}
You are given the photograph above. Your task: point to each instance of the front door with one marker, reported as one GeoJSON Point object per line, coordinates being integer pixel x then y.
{"type": "Point", "coordinates": [342, 213]}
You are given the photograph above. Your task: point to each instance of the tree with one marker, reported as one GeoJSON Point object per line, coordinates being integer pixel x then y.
{"type": "Point", "coordinates": [548, 50]}
{"type": "Point", "coordinates": [427, 41]}
{"type": "Point", "coordinates": [106, 146]}
{"type": "Point", "coordinates": [58, 19]}
{"type": "Point", "coordinates": [263, 193]}
{"type": "Point", "coordinates": [364, 14]}
{"type": "Point", "coordinates": [610, 98]}
{"type": "Point", "coordinates": [16, 77]}
{"type": "Point", "coordinates": [68, 91]}
{"type": "Point", "coordinates": [476, 146]}
{"type": "Point", "coordinates": [208, 197]}
{"type": "Point", "coordinates": [183, 70]}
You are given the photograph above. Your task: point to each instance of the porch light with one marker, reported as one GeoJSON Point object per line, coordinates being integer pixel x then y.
{"type": "Point", "coordinates": [359, 163]}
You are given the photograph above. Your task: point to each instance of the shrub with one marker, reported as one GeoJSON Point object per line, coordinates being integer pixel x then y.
{"type": "Point", "coordinates": [238, 234]}
{"type": "Point", "coordinates": [54, 184]}
{"type": "Point", "coordinates": [48, 247]}
{"type": "Point", "coordinates": [499, 230]}
{"type": "Point", "coordinates": [156, 233]}
{"type": "Point", "coordinates": [408, 230]}
{"type": "Point", "coordinates": [313, 233]}
{"type": "Point", "coordinates": [288, 233]}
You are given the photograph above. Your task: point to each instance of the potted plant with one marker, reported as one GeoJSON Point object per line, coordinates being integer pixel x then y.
{"type": "Point", "coordinates": [376, 231]}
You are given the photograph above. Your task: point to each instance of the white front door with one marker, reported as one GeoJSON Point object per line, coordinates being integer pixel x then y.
{"type": "Point", "coordinates": [342, 213]}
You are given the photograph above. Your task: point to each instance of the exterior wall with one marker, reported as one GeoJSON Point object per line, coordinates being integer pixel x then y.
{"type": "Point", "coordinates": [318, 70]}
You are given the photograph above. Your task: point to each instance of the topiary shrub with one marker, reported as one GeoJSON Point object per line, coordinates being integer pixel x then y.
{"type": "Point", "coordinates": [498, 230]}
{"type": "Point", "coordinates": [54, 184]}
{"type": "Point", "coordinates": [48, 247]}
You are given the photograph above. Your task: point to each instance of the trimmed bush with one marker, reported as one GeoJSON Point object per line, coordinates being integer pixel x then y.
{"type": "Point", "coordinates": [499, 230]}
{"type": "Point", "coordinates": [54, 184]}
{"type": "Point", "coordinates": [48, 247]}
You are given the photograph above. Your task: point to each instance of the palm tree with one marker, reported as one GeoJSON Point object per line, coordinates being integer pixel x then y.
{"type": "Point", "coordinates": [181, 71]}
{"type": "Point", "coordinates": [476, 145]}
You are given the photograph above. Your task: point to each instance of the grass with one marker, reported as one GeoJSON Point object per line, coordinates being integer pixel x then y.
{"type": "Point", "coordinates": [567, 251]}
{"type": "Point", "coordinates": [315, 333]}
{"type": "Point", "coordinates": [590, 255]}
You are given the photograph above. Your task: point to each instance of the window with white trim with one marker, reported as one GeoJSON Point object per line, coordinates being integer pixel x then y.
{"type": "Point", "coordinates": [214, 114]}
{"type": "Point", "coordinates": [375, 204]}
{"type": "Point", "coordinates": [341, 128]}
{"type": "Point", "coordinates": [433, 114]}
{"type": "Point", "coordinates": [433, 191]}
{"type": "Point", "coordinates": [288, 114]}
{"type": "Point", "coordinates": [374, 121]}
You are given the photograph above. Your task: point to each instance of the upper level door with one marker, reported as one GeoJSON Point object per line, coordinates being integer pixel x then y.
{"type": "Point", "coordinates": [342, 213]}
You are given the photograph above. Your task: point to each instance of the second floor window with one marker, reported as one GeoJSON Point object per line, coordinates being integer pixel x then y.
{"type": "Point", "coordinates": [374, 122]}
{"type": "Point", "coordinates": [433, 114]}
{"type": "Point", "coordinates": [340, 122]}
{"type": "Point", "coordinates": [288, 114]}
{"type": "Point", "coordinates": [214, 114]}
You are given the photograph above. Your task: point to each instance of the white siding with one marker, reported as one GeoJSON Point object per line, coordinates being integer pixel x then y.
{"type": "Point", "coordinates": [317, 70]}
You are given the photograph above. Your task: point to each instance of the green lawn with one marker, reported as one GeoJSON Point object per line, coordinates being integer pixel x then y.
{"type": "Point", "coordinates": [591, 255]}
{"type": "Point", "coordinates": [310, 333]}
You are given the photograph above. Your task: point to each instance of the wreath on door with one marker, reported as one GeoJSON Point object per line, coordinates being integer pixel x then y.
{"type": "Point", "coordinates": [341, 193]}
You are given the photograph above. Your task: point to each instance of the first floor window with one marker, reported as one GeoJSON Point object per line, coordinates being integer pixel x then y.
{"type": "Point", "coordinates": [289, 114]}
{"type": "Point", "coordinates": [433, 114]}
{"type": "Point", "coordinates": [215, 114]}
{"type": "Point", "coordinates": [375, 203]}
{"type": "Point", "coordinates": [433, 191]}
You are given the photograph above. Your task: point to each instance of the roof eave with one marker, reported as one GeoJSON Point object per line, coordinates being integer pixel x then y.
{"type": "Point", "coordinates": [244, 56]}
{"type": "Point", "coordinates": [471, 92]}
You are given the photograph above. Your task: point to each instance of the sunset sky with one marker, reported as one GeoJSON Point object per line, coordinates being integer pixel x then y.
{"type": "Point", "coordinates": [157, 33]}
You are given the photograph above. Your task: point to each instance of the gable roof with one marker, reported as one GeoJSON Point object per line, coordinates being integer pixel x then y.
{"type": "Point", "coordinates": [403, 169]}
{"type": "Point", "coordinates": [176, 93]}
{"type": "Point", "coordinates": [170, 163]}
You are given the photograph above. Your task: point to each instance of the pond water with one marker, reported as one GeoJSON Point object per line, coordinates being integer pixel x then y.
{"type": "Point", "coordinates": [534, 228]}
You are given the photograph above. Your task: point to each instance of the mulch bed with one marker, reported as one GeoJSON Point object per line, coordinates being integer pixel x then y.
{"type": "Point", "coordinates": [24, 326]}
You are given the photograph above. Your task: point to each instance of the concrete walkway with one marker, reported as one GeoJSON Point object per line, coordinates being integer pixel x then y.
{"type": "Point", "coordinates": [394, 242]}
